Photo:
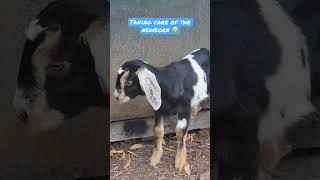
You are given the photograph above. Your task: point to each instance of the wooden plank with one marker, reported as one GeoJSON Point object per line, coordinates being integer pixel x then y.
{"type": "Point", "coordinates": [145, 111]}
{"type": "Point", "coordinates": [140, 128]}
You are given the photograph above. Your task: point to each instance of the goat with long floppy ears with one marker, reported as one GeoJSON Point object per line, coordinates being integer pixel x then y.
{"type": "Point", "coordinates": [177, 88]}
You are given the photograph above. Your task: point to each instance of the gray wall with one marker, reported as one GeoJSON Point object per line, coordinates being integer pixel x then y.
{"type": "Point", "coordinates": [76, 148]}
{"type": "Point", "coordinates": [126, 43]}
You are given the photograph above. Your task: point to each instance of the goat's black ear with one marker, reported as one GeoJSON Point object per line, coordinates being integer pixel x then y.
{"type": "Point", "coordinates": [150, 86]}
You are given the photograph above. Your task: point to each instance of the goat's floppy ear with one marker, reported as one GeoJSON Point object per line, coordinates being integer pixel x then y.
{"type": "Point", "coordinates": [150, 86]}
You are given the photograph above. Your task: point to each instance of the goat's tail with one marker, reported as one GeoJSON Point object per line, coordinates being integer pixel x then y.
{"type": "Point", "coordinates": [236, 146]}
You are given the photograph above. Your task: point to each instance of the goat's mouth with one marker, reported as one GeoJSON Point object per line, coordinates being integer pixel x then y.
{"type": "Point", "coordinates": [121, 99]}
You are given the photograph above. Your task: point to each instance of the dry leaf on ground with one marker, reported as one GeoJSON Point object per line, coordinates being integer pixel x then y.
{"type": "Point", "coordinates": [116, 152]}
{"type": "Point", "coordinates": [128, 163]}
{"type": "Point", "coordinates": [136, 146]}
{"type": "Point", "coordinates": [132, 153]}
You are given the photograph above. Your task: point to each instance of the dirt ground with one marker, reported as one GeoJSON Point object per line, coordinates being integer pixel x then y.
{"type": "Point", "coordinates": [130, 159]}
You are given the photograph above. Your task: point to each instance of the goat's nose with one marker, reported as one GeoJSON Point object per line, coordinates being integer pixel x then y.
{"type": "Point", "coordinates": [116, 94]}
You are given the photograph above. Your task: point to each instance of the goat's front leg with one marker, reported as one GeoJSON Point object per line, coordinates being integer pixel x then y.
{"type": "Point", "coordinates": [158, 140]}
{"type": "Point", "coordinates": [271, 153]}
{"type": "Point", "coordinates": [181, 133]}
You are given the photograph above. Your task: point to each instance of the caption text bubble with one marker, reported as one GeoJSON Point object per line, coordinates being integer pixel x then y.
{"type": "Point", "coordinates": [162, 26]}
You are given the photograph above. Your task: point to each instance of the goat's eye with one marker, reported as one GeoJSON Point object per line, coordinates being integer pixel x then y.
{"type": "Point", "coordinates": [128, 83]}
{"type": "Point", "coordinates": [58, 69]}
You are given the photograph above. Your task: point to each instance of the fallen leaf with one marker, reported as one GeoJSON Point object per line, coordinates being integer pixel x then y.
{"type": "Point", "coordinates": [127, 164]}
{"type": "Point", "coordinates": [137, 146]}
{"type": "Point", "coordinates": [116, 152]}
{"type": "Point", "coordinates": [123, 155]}
{"type": "Point", "coordinates": [132, 153]}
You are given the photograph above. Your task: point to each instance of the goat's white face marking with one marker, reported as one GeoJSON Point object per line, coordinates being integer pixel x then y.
{"type": "Point", "coordinates": [182, 124]}
{"type": "Point", "coordinates": [119, 94]}
{"type": "Point", "coordinates": [34, 29]}
{"type": "Point", "coordinates": [200, 88]}
{"type": "Point", "coordinates": [40, 117]}
{"type": "Point", "coordinates": [38, 111]}
{"type": "Point", "coordinates": [287, 94]}
{"type": "Point", "coordinates": [120, 71]}
{"type": "Point", "coordinates": [121, 97]}
{"type": "Point", "coordinates": [42, 56]}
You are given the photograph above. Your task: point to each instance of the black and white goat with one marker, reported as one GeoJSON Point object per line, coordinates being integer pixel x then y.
{"type": "Point", "coordinates": [263, 83]}
{"type": "Point", "coordinates": [64, 64]}
{"type": "Point", "coordinates": [177, 88]}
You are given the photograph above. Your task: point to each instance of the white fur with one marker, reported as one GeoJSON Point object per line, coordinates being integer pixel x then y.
{"type": "Point", "coordinates": [122, 97]}
{"type": "Point", "coordinates": [34, 29]}
{"type": "Point", "coordinates": [120, 71]}
{"type": "Point", "coordinates": [200, 88]}
{"type": "Point", "coordinates": [190, 54]}
{"type": "Point", "coordinates": [97, 37]}
{"type": "Point", "coordinates": [38, 111]}
{"type": "Point", "coordinates": [290, 84]}
{"type": "Point", "coordinates": [20, 103]}
{"type": "Point", "coordinates": [181, 124]}
{"type": "Point", "coordinates": [195, 51]}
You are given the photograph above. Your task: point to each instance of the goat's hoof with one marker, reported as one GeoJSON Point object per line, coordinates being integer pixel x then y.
{"type": "Point", "coordinates": [156, 157]}
{"type": "Point", "coordinates": [183, 165]}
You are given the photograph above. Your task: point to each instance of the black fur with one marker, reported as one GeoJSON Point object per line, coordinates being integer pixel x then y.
{"type": "Point", "coordinates": [307, 16]}
{"type": "Point", "coordinates": [245, 53]}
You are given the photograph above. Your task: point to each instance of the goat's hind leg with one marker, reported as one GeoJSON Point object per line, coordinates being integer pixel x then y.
{"type": "Point", "coordinates": [195, 110]}
{"type": "Point", "coordinates": [181, 133]}
{"type": "Point", "coordinates": [158, 140]}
